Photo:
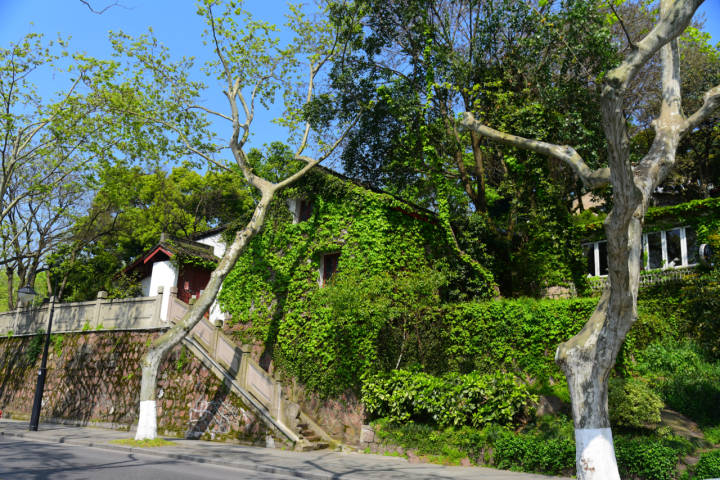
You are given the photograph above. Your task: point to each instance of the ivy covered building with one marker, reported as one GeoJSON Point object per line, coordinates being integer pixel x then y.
{"type": "Point", "coordinates": [344, 271]}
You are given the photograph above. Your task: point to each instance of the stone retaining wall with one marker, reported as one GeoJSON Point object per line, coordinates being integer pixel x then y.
{"type": "Point", "coordinates": [95, 378]}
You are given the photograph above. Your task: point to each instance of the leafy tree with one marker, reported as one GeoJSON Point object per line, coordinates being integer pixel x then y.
{"type": "Point", "coordinates": [123, 222]}
{"type": "Point", "coordinates": [51, 146]}
{"type": "Point", "coordinates": [424, 59]}
{"type": "Point", "coordinates": [587, 358]}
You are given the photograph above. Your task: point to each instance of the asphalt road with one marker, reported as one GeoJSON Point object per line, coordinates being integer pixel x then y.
{"type": "Point", "coordinates": [32, 460]}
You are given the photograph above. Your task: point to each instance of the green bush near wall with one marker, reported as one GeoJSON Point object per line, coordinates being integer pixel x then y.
{"type": "Point", "coordinates": [645, 458]}
{"type": "Point", "coordinates": [708, 466]}
{"type": "Point", "coordinates": [519, 336]}
{"type": "Point", "coordinates": [473, 399]}
{"type": "Point", "coordinates": [534, 453]}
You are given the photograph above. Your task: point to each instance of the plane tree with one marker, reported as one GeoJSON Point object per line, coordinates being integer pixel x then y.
{"type": "Point", "coordinates": [250, 67]}
{"type": "Point", "coordinates": [54, 138]}
{"type": "Point", "coordinates": [588, 358]}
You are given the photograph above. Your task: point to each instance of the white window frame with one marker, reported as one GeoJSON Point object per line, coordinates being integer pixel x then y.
{"type": "Point", "coordinates": [646, 251]}
{"type": "Point", "coordinates": [665, 260]}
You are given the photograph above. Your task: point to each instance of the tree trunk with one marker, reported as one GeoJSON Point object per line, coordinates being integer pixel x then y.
{"type": "Point", "coordinates": [147, 422]}
{"type": "Point", "coordinates": [588, 358]}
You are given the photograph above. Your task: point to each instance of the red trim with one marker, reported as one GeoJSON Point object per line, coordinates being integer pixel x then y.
{"type": "Point", "coordinates": [416, 216]}
{"type": "Point", "coordinates": [158, 249]}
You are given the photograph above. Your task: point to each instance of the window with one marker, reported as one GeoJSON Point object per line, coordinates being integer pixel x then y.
{"type": "Point", "coordinates": [328, 266]}
{"type": "Point", "coordinates": [666, 249]}
{"type": "Point", "coordinates": [653, 247]}
{"type": "Point", "coordinates": [670, 248]}
{"type": "Point", "coordinates": [301, 209]}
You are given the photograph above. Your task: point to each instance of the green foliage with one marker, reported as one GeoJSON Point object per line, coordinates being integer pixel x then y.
{"type": "Point", "coordinates": [708, 466]}
{"type": "Point", "coordinates": [701, 304]}
{"type": "Point", "coordinates": [645, 458]}
{"type": "Point", "coordinates": [473, 399]}
{"type": "Point", "coordinates": [519, 336]}
{"type": "Point", "coordinates": [448, 445]}
{"type": "Point", "coordinates": [544, 447]}
{"type": "Point", "coordinates": [633, 404]}
{"type": "Point", "coordinates": [35, 347]}
{"type": "Point", "coordinates": [390, 280]}
{"type": "Point", "coordinates": [712, 435]}
{"type": "Point", "coordinates": [57, 344]}
{"type": "Point", "coordinates": [687, 381]}
{"type": "Point", "coordinates": [122, 223]}
{"type": "Point", "coordinates": [363, 324]}
{"type": "Point", "coordinates": [534, 453]}
{"type": "Point", "coordinates": [182, 360]}
{"type": "Point", "coordinates": [145, 443]}
{"type": "Point", "coordinates": [407, 140]}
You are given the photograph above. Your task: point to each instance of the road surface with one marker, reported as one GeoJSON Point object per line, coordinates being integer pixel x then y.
{"type": "Point", "coordinates": [32, 460]}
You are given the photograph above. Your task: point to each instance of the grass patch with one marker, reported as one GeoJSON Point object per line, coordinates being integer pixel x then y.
{"type": "Point", "coordinates": [147, 443]}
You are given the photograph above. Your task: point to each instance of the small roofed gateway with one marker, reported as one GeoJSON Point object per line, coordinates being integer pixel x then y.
{"type": "Point", "coordinates": [182, 264]}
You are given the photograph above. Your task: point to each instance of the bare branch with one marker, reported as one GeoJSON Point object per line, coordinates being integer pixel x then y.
{"type": "Point", "coordinates": [712, 102]}
{"type": "Point", "coordinates": [100, 12]}
{"type": "Point", "coordinates": [211, 112]}
{"type": "Point", "coordinates": [672, 23]}
{"type": "Point", "coordinates": [217, 47]}
{"type": "Point", "coordinates": [312, 162]}
{"type": "Point", "coordinates": [622, 24]}
{"type": "Point", "coordinates": [591, 178]}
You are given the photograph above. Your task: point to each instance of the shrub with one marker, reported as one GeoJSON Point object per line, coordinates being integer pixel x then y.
{"type": "Point", "coordinates": [645, 458]}
{"type": "Point", "coordinates": [514, 335]}
{"type": "Point", "coordinates": [633, 404]}
{"type": "Point", "coordinates": [708, 466]}
{"type": "Point", "coordinates": [473, 399]}
{"type": "Point", "coordinates": [533, 453]}
{"type": "Point", "coordinates": [685, 379]}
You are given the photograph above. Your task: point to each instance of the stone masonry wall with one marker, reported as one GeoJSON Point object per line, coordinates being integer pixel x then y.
{"type": "Point", "coordinates": [95, 378]}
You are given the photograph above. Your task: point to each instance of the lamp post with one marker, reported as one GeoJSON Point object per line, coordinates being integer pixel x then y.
{"type": "Point", "coordinates": [27, 294]}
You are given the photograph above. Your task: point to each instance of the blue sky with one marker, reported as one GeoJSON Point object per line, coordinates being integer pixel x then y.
{"type": "Point", "coordinates": [174, 23]}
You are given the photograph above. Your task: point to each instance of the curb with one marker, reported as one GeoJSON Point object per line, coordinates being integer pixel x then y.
{"type": "Point", "coordinates": [210, 459]}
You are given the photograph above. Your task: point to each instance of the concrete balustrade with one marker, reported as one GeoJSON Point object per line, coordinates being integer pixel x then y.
{"type": "Point", "coordinates": [141, 313]}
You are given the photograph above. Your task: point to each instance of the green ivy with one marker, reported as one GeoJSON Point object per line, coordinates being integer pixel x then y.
{"type": "Point", "coordinates": [703, 215]}
{"type": "Point", "coordinates": [389, 249]}
{"type": "Point", "coordinates": [513, 335]}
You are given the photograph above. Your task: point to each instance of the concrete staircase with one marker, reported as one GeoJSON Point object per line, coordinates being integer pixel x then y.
{"type": "Point", "coordinates": [259, 390]}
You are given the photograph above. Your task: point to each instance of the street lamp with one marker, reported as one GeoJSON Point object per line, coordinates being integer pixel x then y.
{"type": "Point", "coordinates": [27, 294]}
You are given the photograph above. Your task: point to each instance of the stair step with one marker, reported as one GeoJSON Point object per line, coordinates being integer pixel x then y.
{"type": "Point", "coordinates": [307, 432]}
{"type": "Point", "coordinates": [302, 426]}
{"type": "Point", "coordinates": [321, 445]}
{"type": "Point", "coordinates": [313, 438]}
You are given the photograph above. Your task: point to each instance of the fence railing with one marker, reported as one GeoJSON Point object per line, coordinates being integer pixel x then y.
{"type": "Point", "coordinates": [249, 376]}
{"type": "Point", "coordinates": [141, 313]}
{"type": "Point", "coordinates": [649, 278]}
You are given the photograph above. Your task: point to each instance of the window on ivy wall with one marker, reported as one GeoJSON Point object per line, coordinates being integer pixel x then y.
{"type": "Point", "coordinates": [328, 266]}
{"type": "Point", "coordinates": [672, 248]}
{"type": "Point", "coordinates": [301, 209]}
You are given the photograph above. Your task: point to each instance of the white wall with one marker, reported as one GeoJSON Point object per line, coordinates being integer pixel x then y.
{"type": "Point", "coordinates": [164, 274]}
{"type": "Point", "coordinates": [218, 245]}
{"type": "Point", "coordinates": [216, 242]}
